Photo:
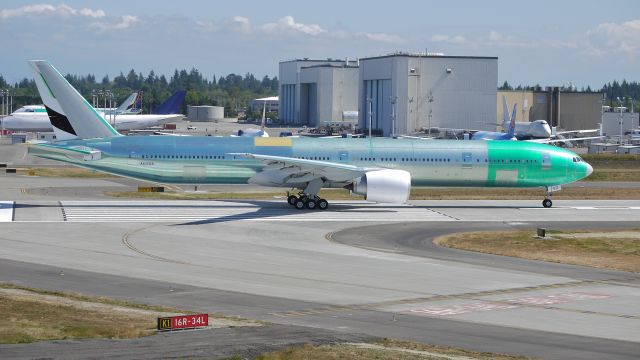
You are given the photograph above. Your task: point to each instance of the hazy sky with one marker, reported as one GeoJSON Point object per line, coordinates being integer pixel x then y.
{"type": "Point", "coordinates": [541, 42]}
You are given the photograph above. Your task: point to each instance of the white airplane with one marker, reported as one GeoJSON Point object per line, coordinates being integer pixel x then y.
{"type": "Point", "coordinates": [34, 118]}
{"type": "Point", "coordinates": [39, 118]}
{"type": "Point", "coordinates": [535, 131]}
{"type": "Point", "coordinates": [253, 132]}
{"type": "Point", "coordinates": [27, 118]}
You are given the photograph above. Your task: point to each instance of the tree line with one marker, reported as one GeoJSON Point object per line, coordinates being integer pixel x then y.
{"type": "Point", "coordinates": [232, 91]}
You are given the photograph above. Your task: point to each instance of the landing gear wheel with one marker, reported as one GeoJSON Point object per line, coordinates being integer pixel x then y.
{"type": "Point", "coordinates": [323, 204]}
{"type": "Point", "coordinates": [291, 199]}
{"type": "Point", "coordinates": [299, 204]}
{"type": "Point", "coordinates": [311, 204]}
{"type": "Point", "coordinates": [547, 203]}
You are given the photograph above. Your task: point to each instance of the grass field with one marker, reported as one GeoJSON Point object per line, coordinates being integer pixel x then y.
{"type": "Point", "coordinates": [618, 250]}
{"type": "Point", "coordinates": [384, 349]}
{"type": "Point", "coordinates": [35, 315]}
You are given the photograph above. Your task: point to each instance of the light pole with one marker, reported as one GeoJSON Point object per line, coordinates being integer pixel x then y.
{"type": "Point", "coordinates": [603, 101]}
{"type": "Point", "coordinates": [369, 101]}
{"type": "Point", "coordinates": [2, 112]}
{"type": "Point", "coordinates": [430, 100]}
{"type": "Point", "coordinates": [393, 115]}
{"type": "Point", "coordinates": [621, 119]}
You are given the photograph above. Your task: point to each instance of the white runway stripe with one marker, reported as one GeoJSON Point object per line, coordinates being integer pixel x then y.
{"type": "Point", "coordinates": [6, 211]}
{"type": "Point", "coordinates": [151, 211]}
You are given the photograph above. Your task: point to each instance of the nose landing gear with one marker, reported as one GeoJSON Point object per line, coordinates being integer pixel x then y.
{"type": "Point", "coordinates": [547, 195]}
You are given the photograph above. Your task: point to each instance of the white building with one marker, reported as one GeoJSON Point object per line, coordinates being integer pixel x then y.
{"type": "Point", "coordinates": [317, 92]}
{"type": "Point", "coordinates": [428, 91]}
{"type": "Point", "coordinates": [614, 122]}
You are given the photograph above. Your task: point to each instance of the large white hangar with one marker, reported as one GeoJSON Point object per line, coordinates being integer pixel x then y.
{"type": "Point", "coordinates": [316, 92]}
{"type": "Point", "coordinates": [427, 90]}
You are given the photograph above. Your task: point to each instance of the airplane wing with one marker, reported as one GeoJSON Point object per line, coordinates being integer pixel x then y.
{"type": "Point", "coordinates": [577, 131]}
{"type": "Point", "coordinates": [282, 170]}
{"type": "Point", "coordinates": [550, 141]}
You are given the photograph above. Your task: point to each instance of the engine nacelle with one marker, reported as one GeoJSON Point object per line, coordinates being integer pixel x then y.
{"type": "Point", "coordinates": [384, 186]}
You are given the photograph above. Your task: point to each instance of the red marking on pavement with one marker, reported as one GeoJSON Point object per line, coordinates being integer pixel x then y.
{"type": "Point", "coordinates": [506, 304]}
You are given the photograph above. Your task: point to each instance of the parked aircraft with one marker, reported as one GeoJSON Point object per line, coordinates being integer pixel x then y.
{"type": "Point", "coordinates": [535, 131]}
{"type": "Point", "coordinates": [35, 118]}
{"type": "Point", "coordinates": [492, 135]}
{"type": "Point", "coordinates": [381, 169]}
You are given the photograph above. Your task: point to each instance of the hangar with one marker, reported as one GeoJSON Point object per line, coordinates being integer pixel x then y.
{"type": "Point", "coordinates": [412, 91]}
{"type": "Point", "coordinates": [314, 92]}
{"type": "Point", "coordinates": [427, 90]}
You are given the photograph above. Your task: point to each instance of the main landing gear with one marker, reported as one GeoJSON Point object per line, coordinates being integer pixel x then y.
{"type": "Point", "coordinates": [302, 201]}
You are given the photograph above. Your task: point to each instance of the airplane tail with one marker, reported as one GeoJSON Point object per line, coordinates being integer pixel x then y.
{"type": "Point", "coordinates": [127, 104]}
{"type": "Point", "coordinates": [505, 112]}
{"type": "Point", "coordinates": [77, 116]}
{"type": "Point", "coordinates": [512, 123]}
{"type": "Point", "coordinates": [172, 105]}
{"type": "Point", "coordinates": [59, 122]}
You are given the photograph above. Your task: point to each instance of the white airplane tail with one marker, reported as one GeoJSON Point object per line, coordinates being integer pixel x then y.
{"type": "Point", "coordinates": [127, 104]}
{"type": "Point", "coordinates": [505, 112]}
{"type": "Point", "coordinates": [76, 116]}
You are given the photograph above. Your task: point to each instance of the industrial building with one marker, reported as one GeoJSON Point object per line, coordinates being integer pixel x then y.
{"type": "Point", "coordinates": [205, 113]}
{"type": "Point", "coordinates": [317, 92]}
{"type": "Point", "coordinates": [417, 91]}
{"type": "Point", "coordinates": [618, 121]}
{"type": "Point", "coordinates": [564, 110]}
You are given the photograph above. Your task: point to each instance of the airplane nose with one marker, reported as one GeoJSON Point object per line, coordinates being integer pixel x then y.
{"type": "Point", "coordinates": [589, 169]}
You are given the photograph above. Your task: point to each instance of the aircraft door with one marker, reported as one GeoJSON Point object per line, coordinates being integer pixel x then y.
{"type": "Point", "coordinates": [343, 156]}
{"type": "Point", "coordinates": [467, 160]}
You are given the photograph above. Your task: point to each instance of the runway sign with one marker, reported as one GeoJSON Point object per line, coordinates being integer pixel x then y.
{"type": "Point", "coordinates": [183, 322]}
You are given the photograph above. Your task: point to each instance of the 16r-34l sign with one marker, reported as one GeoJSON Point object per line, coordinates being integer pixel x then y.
{"type": "Point", "coordinates": [183, 322]}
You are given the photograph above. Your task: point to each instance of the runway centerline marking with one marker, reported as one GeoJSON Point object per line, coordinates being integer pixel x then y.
{"type": "Point", "coordinates": [193, 211]}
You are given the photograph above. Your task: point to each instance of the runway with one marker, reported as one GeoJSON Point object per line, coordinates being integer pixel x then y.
{"type": "Point", "coordinates": [357, 269]}
{"type": "Point", "coordinates": [340, 211]}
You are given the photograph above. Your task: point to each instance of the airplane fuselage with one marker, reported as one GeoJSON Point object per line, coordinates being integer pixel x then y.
{"type": "Point", "coordinates": [215, 160]}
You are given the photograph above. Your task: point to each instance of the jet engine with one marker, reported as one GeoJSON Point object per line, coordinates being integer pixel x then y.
{"type": "Point", "coordinates": [383, 186]}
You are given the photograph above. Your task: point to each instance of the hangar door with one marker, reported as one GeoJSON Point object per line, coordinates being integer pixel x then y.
{"type": "Point", "coordinates": [378, 93]}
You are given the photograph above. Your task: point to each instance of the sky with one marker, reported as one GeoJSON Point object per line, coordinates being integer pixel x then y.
{"type": "Point", "coordinates": [542, 42]}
